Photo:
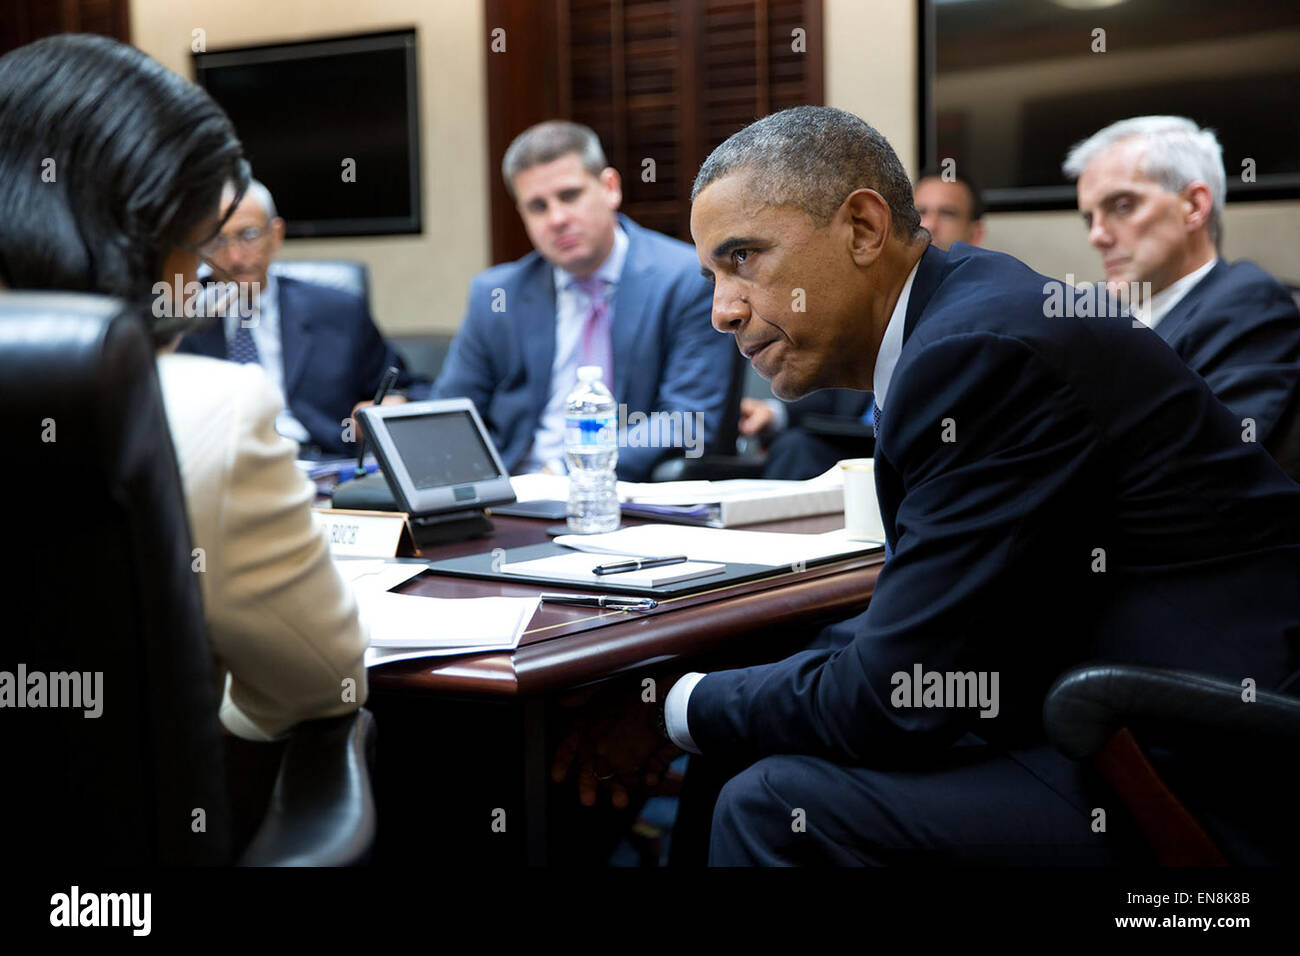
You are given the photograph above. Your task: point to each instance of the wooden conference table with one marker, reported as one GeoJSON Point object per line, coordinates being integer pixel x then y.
{"type": "Point", "coordinates": [465, 743]}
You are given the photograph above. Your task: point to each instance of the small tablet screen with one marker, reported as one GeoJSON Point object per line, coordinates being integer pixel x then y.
{"type": "Point", "coordinates": [442, 449]}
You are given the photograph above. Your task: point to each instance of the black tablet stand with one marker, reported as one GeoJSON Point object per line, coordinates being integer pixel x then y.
{"type": "Point", "coordinates": [372, 493]}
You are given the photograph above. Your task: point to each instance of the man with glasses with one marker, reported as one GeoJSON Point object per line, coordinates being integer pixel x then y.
{"type": "Point", "coordinates": [318, 345]}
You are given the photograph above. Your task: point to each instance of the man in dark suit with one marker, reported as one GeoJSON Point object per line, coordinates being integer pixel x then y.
{"type": "Point", "coordinates": [1053, 490]}
{"type": "Point", "coordinates": [1151, 191]}
{"type": "Point", "coordinates": [808, 436]}
{"type": "Point", "coordinates": [597, 290]}
{"type": "Point", "coordinates": [319, 345]}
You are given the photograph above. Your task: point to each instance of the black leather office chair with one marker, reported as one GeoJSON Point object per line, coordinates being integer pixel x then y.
{"type": "Point", "coordinates": [100, 580]}
{"type": "Point", "coordinates": [423, 354]}
{"type": "Point", "coordinates": [721, 458]}
{"type": "Point", "coordinates": [350, 275]}
{"type": "Point", "coordinates": [1107, 714]}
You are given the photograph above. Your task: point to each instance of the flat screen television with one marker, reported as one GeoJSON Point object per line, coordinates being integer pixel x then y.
{"type": "Point", "coordinates": [1008, 86]}
{"type": "Point", "coordinates": [330, 126]}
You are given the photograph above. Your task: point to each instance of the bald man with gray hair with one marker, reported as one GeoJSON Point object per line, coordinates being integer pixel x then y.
{"type": "Point", "coordinates": [1151, 190]}
{"type": "Point", "coordinates": [318, 344]}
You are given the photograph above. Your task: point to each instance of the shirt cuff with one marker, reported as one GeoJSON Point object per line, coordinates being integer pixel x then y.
{"type": "Point", "coordinates": [675, 712]}
{"type": "Point", "coordinates": [780, 416]}
{"type": "Point", "coordinates": [235, 721]}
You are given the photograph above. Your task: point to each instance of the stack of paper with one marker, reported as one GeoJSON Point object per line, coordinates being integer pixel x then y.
{"type": "Point", "coordinates": [769, 548]}
{"type": "Point", "coordinates": [718, 504]}
{"type": "Point", "coordinates": [404, 626]}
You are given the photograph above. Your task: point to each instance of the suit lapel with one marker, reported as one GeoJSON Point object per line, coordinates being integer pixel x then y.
{"type": "Point", "coordinates": [209, 340]}
{"type": "Point", "coordinates": [928, 275]}
{"type": "Point", "coordinates": [537, 330]}
{"type": "Point", "coordinates": [630, 303]}
{"type": "Point", "coordinates": [1178, 317]}
{"type": "Point", "coordinates": [295, 334]}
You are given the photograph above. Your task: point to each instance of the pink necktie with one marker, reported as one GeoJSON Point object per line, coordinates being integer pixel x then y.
{"type": "Point", "coordinates": [597, 348]}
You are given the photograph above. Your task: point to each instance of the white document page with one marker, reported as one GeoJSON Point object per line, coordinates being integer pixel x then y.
{"type": "Point", "coordinates": [577, 567]}
{"type": "Point", "coordinates": [405, 626]}
{"type": "Point", "coordinates": [710, 492]}
{"type": "Point", "coordinates": [540, 487]}
{"type": "Point", "coordinates": [376, 574]}
{"type": "Point", "coordinates": [768, 548]}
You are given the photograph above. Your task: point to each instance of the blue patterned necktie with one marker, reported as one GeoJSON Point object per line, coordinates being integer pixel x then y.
{"type": "Point", "coordinates": [875, 427]}
{"type": "Point", "coordinates": [242, 348]}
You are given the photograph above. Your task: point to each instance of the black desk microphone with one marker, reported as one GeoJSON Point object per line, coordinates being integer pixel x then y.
{"type": "Point", "coordinates": [389, 378]}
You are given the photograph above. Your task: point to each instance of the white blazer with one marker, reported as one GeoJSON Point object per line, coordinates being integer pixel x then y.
{"type": "Point", "coordinates": [282, 624]}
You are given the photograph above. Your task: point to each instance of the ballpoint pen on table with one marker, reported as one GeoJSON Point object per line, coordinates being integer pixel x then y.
{"type": "Point", "coordinates": [610, 601]}
{"type": "Point", "coordinates": [636, 564]}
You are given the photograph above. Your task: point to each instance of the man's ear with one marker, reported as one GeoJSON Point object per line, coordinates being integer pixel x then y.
{"type": "Point", "coordinates": [1200, 203]}
{"type": "Point", "coordinates": [977, 232]}
{"type": "Point", "coordinates": [613, 186]}
{"type": "Point", "coordinates": [277, 234]}
{"type": "Point", "coordinates": [869, 219]}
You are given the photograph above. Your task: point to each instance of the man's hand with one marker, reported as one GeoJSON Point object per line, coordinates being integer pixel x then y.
{"type": "Point", "coordinates": [756, 416]}
{"type": "Point", "coordinates": [614, 745]}
{"type": "Point", "coordinates": [388, 400]}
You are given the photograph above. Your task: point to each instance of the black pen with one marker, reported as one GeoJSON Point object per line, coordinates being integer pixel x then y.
{"type": "Point", "coordinates": [603, 601]}
{"type": "Point", "coordinates": [636, 564]}
{"type": "Point", "coordinates": [384, 385]}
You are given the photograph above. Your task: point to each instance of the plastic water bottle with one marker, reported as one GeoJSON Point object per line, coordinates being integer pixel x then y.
{"type": "Point", "coordinates": [591, 452]}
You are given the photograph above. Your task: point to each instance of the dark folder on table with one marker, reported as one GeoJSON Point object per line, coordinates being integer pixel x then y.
{"type": "Point", "coordinates": [487, 565]}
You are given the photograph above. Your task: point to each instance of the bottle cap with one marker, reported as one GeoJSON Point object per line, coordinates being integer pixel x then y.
{"type": "Point", "coordinates": [590, 373]}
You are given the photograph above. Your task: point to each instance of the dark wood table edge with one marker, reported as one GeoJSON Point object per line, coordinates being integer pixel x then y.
{"type": "Point", "coordinates": [605, 644]}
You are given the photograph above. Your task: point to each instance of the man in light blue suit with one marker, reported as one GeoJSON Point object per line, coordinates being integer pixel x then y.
{"type": "Point", "coordinates": [597, 290]}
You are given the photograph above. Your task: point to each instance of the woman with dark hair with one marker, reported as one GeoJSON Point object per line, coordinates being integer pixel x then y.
{"type": "Point", "coordinates": [112, 169]}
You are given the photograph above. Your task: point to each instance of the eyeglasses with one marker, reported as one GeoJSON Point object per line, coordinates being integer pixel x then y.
{"type": "Point", "coordinates": [245, 238]}
{"type": "Point", "coordinates": [222, 288]}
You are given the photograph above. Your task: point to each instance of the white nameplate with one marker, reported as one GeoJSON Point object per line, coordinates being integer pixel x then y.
{"type": "Point", "coordinates": [363, 534]}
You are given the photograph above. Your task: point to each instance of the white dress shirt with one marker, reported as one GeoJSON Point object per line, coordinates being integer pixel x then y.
{"type": "Point", "coordinates": [1163, 301]}
{"type": "Point", "coordinates": [572, 306]}
{"type": "Point", "coordinates": [270, 353]}
{"type": "Point", "coordinates": [678, 701]}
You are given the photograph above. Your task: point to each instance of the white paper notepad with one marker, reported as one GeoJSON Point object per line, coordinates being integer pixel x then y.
{"type": "Point", "coordinates": [404, 626]}
{"type": "Point", "coordinates": [577, 567]}
{"type": "Point", "coordinates": [768, 548]}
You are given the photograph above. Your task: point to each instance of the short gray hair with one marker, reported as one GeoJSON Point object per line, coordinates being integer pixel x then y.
{"type": "Point", "coordinates": [812, 158]}
{"type": "Point", "coordinates": [549, 141]}
{"type": "Point", "coordinates": [255, 191]}
{"type": "Point", "coordinates": [1177, 153]}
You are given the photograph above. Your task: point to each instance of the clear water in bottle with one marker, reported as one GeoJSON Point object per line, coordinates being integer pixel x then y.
{"type": "Point", "coordinates": [591, 453]}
